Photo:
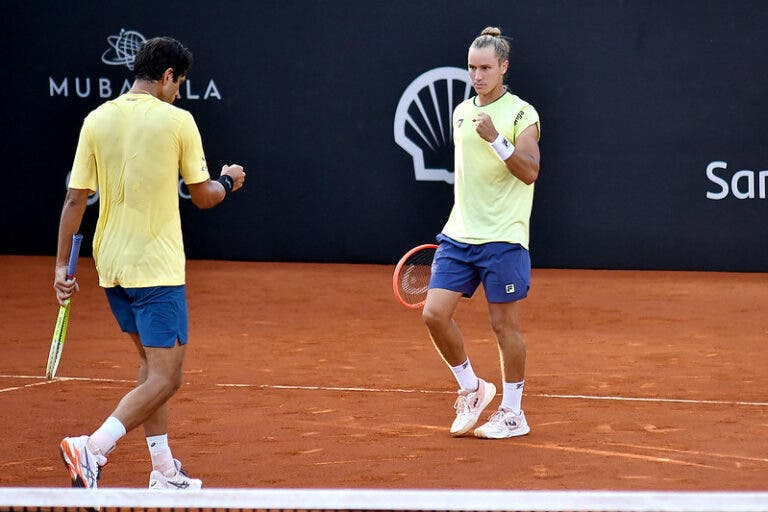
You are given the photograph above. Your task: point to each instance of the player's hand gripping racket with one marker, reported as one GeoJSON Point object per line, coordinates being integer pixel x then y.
{"type": "Point", "coordinates": [410, 281]}
{"type": "Point", "coordinates": [62, 322]}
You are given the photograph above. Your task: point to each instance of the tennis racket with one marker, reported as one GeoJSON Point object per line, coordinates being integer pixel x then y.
{"type": "Point", "coordinates": [62, 322]}
{"type": "Point", "coordinates": [410, 281]}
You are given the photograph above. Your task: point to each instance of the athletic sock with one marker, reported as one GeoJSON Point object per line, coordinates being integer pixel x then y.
{"type": "Point", "coordinates": [106, 436]}
{"type": "Point", "coordinates": [465, 376]}
{"type": "Point", "coordinates": [160, 453]}
{"type": "Point", "coordinates": [513, 396]}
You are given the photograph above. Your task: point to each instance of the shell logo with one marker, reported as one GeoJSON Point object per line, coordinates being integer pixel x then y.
{"type": "Point", "coordinates": [423, 121]}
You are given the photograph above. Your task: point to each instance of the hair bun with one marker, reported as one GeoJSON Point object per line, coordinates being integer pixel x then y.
{"type": "Point", "coordinates": [491, 31]}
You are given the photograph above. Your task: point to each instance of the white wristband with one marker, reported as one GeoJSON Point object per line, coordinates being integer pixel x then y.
{"type": "Point", "coordinates": [503, 147]}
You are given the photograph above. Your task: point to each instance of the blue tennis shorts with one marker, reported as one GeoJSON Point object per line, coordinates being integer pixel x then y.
{"type": "Point", "coordinates": [158, 314]}
{"type": "Point", "coordinates": [502, 267]}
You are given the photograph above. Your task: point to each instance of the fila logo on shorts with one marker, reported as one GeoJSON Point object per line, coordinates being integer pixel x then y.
{"type": "Point", "coordinates": [510, 288]}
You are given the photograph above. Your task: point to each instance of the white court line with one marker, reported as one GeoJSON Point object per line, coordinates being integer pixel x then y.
{"type": "Point", "coordinates": [665, 400]}
{"type": "Point", "coordinates": [26, 386]}
{"type": "Point", "coordinates": [667, 449]}
{"type": "Point", "coordinates": [331, 388]}
{"type": "Point", "coordinates": [399, 390]}
{"type": "Point", "coordinates": [54, 380]}
{"type": "Point", "coordinates": [540, 395]}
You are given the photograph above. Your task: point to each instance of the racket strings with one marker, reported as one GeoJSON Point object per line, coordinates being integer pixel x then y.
{"type": "Point", "coordinates": [414, 278]}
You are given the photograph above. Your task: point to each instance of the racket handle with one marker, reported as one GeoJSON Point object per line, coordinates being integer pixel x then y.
{"type": "Point", "coordinates": [77, 239]}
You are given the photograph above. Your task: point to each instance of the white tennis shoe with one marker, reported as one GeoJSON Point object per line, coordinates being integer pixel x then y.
{"type": "Point", "coordinates": [178, 482]}
{"type": "Point", "coordinates": [502, 424]}
{"type": "Point", "coordinates": [84, 465]}
{"type": "Point", "coordinates": [469, 405]}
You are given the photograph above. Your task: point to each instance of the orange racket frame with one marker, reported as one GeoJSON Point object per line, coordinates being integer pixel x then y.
{"type": "Point", "coordinates": [398, 270]}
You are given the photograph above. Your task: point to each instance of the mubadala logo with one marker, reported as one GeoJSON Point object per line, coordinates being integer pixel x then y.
{"type": "Point", "coordinates": [424, 121]}
{"type": "Point", "coordinates": [121, 52]}
{"type": "Point", "coordinates": [123, 48]}
{"type": "Point", "coordinates": [743, 184]}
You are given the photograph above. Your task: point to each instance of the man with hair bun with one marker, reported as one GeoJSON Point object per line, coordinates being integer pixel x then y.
{"type": "Point", "coordinates": [132, 150]}
{"type": "Point", "coordinates": [485, 239]}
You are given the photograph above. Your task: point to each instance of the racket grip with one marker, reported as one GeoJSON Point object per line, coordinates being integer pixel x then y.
{"type": "Point", "coordinates": [77, 239]}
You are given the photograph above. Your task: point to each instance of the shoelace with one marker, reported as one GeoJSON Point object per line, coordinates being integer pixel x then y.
{"type": "Point", "coordinates": [462, 403]}
{"type": "Point", "coordinates": [180, 472]}
{"type": "Point", "coordinates": [181, 480]}
{"type": "Point", "coordinates": [497, 417]}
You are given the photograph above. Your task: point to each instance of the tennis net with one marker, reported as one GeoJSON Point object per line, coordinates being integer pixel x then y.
{"type": "Point", "coordinates": [135, 500]}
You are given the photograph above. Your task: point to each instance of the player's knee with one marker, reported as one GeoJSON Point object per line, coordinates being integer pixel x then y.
{"type": "Point", "coordinates": [168, 384]}
{"type": "Point", "coordinates": [434, 318]}
{"type": "Point", "coordinates": [173, 383]}
{"type": "Point", "coordinates": [505, 329]}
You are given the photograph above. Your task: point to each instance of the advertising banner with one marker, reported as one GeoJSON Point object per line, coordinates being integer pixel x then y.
{"type": "Point", "coordinates": [652, 150]}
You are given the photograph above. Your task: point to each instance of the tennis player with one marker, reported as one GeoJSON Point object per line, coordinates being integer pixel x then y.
{"type": "Point", "coordinates": [132, 150]}
{"type": "Point", "coordinates": [485, 239]}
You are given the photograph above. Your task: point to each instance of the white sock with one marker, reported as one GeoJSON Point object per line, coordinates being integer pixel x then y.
{"type": "Point", "coordinates": [513, 396]}
{"type": "Point", "coordinates": [465, 376]}
{"type": "Point", "coordinates": [160, 453]}
{"type": "Point", "coordinates": [106, 436]}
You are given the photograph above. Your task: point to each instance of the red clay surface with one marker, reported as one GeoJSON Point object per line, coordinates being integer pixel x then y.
{"type": "Point", "coordinates": [314, 376]}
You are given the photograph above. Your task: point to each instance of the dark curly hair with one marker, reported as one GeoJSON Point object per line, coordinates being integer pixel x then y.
{"type": "Point", "coordinates": [158, 54]}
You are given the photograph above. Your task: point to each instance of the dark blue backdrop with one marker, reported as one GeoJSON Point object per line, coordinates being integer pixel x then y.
{"type": "Point", "coordinates": [637, 99]}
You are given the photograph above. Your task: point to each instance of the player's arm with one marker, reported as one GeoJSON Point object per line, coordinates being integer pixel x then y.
{"type": "Point", "coordinates": [209, 193]}
{"type": "Point", "coordinates": [205, 193]}
{"type": "Point", "coordinates": [71, 217]}
{"type": "Point", "coordinates": [522, 158]}
{"type": "Point", "coordinates": [524, 161]}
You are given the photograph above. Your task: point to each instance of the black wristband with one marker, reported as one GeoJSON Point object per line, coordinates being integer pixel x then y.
{"type": "Point", "coordinates": [227, 182]}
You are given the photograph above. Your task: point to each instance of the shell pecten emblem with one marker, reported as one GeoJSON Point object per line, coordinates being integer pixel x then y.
{"type": "Point", "coordinates": [423, 121]}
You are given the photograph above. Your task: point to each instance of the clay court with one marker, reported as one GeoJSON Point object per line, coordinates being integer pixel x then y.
{"type": "Point", "coordinates": [312, 375]}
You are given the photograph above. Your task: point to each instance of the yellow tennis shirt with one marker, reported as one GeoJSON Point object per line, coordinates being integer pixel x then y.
{"type": "Point", "coordinates": [490, 204]}
{"type": "Point", "coordinates": [132, 150]}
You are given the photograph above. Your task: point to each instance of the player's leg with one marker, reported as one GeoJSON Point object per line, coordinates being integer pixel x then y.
{"type": "Point", "coordinates": [158, 325]}
{"type": "Point", "coordinates": [509, 420]}
{"type": "Point", "coordinates": [163, 321]}
{"type": "Point", "coordinates": [84, 456]}
{"type": "Point", "coordinates": [505, 323]}
{"type": "Point", "coordinates": [162, 380]}
{"type": "Point", "coordinates": [156, 425]}
{"type": "Point", "coordinates": [446, 336]}
{"type": "Point", "coordinates": [452, 277]}
{"type": "Point", "coordinates": [506, 280]}
{"type": "Point", "coordinates": [167, 472]}
{"type": "Point", "coordinates": [159, 329]}
{"type": "Point", "coordinates": [157, 422]}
